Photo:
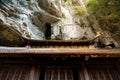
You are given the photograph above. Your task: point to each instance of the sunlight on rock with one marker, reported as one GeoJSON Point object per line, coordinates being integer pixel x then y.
{"type": "Point", "coordinates": [68, 18]}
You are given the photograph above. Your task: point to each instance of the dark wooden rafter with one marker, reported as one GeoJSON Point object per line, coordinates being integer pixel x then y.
{"type": "Point", "coordinates": [36, 72]}
{"type": "Point", "coordinates": [36, 67]}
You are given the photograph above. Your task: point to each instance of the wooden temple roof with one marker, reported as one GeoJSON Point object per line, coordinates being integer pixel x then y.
{"type": "Point", "coordinates": [31, 63]}
{"type": "Point", "coordinates": [58, 47]}
{"type": "Point", "coordinates": [55, 41]}
{"type": "Point", "coordinates": [48, 43]}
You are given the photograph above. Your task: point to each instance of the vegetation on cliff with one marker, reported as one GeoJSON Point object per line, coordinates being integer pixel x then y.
{"type": "Point", "coordinates": [107, 12]}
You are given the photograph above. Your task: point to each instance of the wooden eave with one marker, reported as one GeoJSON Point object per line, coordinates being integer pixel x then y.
{"type": "Point", "coordinates": [56, 51]}
{"type": "Point", "coordinates": [34, 42]}
{"type": "Point", "coordinates": [60, 50]}
{"type": "Point", "coordinates": [55, 41]}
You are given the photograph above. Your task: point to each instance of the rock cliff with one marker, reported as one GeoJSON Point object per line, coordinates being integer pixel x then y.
{"type": "Point", "coordinates": [70, 19]}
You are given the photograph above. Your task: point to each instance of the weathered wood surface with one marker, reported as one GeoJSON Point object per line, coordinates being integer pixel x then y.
{"type": "Point", "coordinates": [58, 51]}
{"type": "Point", "coordinates": [36, 72]}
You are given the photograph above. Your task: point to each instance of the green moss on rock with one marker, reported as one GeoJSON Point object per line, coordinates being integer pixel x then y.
{"type": "Point", "coordinates": [79, 10]}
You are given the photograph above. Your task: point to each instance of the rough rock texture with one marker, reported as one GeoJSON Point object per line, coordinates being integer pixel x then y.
{"type": "Point", "coordinates": [107, 15]}
{"type": "Point", "coordinates": [8, 37]}
{"type": "Point", "coordinates": [70, 19]}
{"type": "Point", "coordinates": [25, 18]}
{"type": "Point", "coordinates": [100, 16]}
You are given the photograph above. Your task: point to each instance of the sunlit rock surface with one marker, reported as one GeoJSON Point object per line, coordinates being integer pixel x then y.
{"type": "Point", "coordinates": [28, 17]}
{"type": "Point", "coordinates": [8, 37]}
{"type": "Point", "coordinates": [70, 19]}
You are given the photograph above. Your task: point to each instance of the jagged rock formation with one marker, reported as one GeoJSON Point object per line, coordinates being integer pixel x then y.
{"type": "Point", "coordinates": [70, 19]}
{"type": "Point", "coordinates": [107, 14]}
{"type": "Point", "coordinates": [101, 16]}
{"type": "Point", "coordinates": [26, 18]}
{"type": "Point", "coordinates": [8, 37]}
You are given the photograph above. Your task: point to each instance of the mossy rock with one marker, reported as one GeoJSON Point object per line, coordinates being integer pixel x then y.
{"type": "Point", "coordinates": [79, 10]}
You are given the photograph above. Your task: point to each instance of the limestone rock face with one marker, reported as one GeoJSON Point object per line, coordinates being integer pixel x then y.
{"type": "Point", "coordinates": [25, 17]}
{"type": "Point", "coordinates": [70, 19]}
{"type": "Point", "coordinates": [8, 37]}
{"type": "Point", "coordinates": [51, 7]}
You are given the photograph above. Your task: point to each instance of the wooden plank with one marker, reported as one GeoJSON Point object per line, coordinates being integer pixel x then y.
{"type": "Point", "coordinates": [58, 73]}
{"type": "Point", "coordinates": [58, 51]}
{"type": "Point", "coordinates": [85, 72]}
{"type": "Point", "coordinates": [32, 73]}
